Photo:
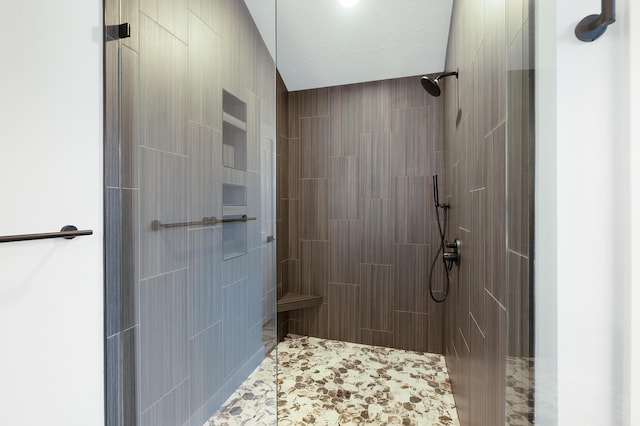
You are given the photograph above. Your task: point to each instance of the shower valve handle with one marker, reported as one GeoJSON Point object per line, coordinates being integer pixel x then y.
{"type": "Point", "coordinates": [454, 255]}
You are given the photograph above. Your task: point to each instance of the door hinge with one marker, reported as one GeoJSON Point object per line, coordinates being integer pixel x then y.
{"type": "Point", "coordinates": [116, 32]}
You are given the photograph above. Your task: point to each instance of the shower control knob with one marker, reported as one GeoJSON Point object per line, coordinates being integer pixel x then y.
{"type": "Point", "coordinates": [454, 255]}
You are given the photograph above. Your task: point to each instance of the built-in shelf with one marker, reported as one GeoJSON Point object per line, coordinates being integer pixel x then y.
{"type": "Point", "coordinates": [234, 234]}
{"type": "Point", "coordinates": [234, 132]}
{"type": "Point", "coordinates": [228, 118]}
{"type": "Point", "coordinates": [292, 301]}
{"type": "Point", "coordinates": [234, 159]}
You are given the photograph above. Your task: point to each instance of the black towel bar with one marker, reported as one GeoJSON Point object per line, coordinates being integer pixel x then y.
{"type": "Point", "coordinates": [68, 232]}
{"type": "Point", "coordinates": [206, 221]}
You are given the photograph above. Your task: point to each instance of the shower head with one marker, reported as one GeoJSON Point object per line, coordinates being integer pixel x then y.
{"type": "Point", "coordinates": [432, 85]}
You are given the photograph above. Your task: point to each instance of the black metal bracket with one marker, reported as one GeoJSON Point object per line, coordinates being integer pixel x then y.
{"type": "Point", "coordinates": [117, 32]}
{"type": "Point", "coordinates": [593, 26]}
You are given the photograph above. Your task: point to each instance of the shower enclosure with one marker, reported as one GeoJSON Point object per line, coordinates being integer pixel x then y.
{"type": "Point", "coordinates": [190, 212]}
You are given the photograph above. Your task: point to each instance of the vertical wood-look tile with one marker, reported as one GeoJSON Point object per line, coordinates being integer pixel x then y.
{"type": "Point", "coordinates": [171, 409]}
{"type": "Point", "coordinates": [412, 211]}
{"type": "Point", "coordinates": [112, 112]}
{"type": "Point", "coordinates": [294, 115]}
{"type": "Point", "coordinates": [476, 258]}
{"type": "Point", "coordinates": [313, 209]}
{"type": "Point", "coordinates": [282, 230]}
{"type": "Point", "coordinates": [314, 103]}
{"type": "Point", "coordinates": [407, 93]}
{"type": "Point", "coordinates": [376, 298]}
{"type": "Point", "coordinates": [515, 15]}
{"type": "Point", "coordinates": [205, 279]}
{"type": "Point", "coordinates": [410, 127]}
{"type": "Point", "coordinates": [204, 75]}
{"type": "Point", "coordinates": [206, 366]}
{"type": "Point", "coordinates": [113, 381]}
{"type": "Point", "coordinates": [378, 239]}
{"type": "Point", "coordinates": [293, 170]}
{"type": "Point", "coordinates": [411, 331]}
{"type": "Point", "coordinates": [129, 119]}
{"type": "Point", "coordinates": [282, 106]}
{"type": "Point", "coordinates": [496, 249]}
{"type": "Point", "coordinates": [235, 326]}
{"type": "Point", "coordinates": [211, 13]}
{"type": "Point", "coordinates": [462, 311]}
{"type": "Point", "coordinates": [461, 383]}
{"type": "Point", "coordinates": [345, 251]}
{"type": "Point", "coordinates": [130, 12]}
{"type": "Point", "coordinates": [375, 165]}
{"type": "Point", "coordinates": [292, 275]}
{"type": "Point", "coordinates": [163, 89]}
{"type": "Point", "coordinates": [435, 339]}
{"type": "Point", "coordinates": [314, 277]}
{"type": "Point", "coordinates": [346, 119]}
{"type": "Point", "coordinates": [130, 397]}
{"type": "Point", "coordinates": [314, 147]}
{"type": "Point", "coordinates": [411, 276]}
{"type": "Point", "coordinates": [293, 242]}
{"type": "Point", "coordinates": [344, 188]}
{"type": "Point", "coordinates": [463, 195]}
{"type": "Point", "coordinates": [376, 100]}
{"type": "Point", "coordinates": [344, 321]}
{"type": "Point", "coordinates": [113, 248]}
{"type": "Point", "coordinates": [163, 198]}
{"type": "Point", "coordinates": [205, 173]}
{"type": "Point", "coordinates": [518, 150]}
{"type": "Point", "coordinates": [477, 377]}
{"type": "Point", "coordinates": [315, 321]}
{"type": "Point", "coordinates": [495, 361]}
{"type": "Point", "coordinates": [376, 338]}
{"type": "Point", "coordinates": [519, 337]}
{"type": "Point", "coordinates": [129, 258]}
{"type": "Point", "coordinates": [282, 168]}
{"type": "Point", "coordinates": [495, 58]}
{"type": "Point", "coordinates": [163, 335]}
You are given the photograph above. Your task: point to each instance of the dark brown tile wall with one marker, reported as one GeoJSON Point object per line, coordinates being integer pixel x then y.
{"type": "Point", "coordinates": [488, 166]}
{"type": "Point", "coordinates": [355, 208]}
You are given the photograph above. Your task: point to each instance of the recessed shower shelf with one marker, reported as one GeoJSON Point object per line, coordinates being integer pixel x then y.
{"type": "Point", "coordinates": [293, 301]}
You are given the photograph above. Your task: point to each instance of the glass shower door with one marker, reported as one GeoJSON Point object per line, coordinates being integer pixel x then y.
{"type": "Point", "coordinates": [189, 267]}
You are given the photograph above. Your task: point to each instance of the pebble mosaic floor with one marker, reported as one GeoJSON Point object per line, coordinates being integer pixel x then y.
{"type": "Point", "coordinates": [520, 391]}
{"type": "Point", "coordinates": [326, 382]}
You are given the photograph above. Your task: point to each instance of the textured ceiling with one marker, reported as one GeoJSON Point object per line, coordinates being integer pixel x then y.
{"type": "Point", "coordinates": [320, 43]}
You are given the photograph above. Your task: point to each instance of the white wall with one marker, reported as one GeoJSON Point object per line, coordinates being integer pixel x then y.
{"type": "Point", "coordinates": [582, 218]}
{"type": "Point", "coordinates": [51, 303]}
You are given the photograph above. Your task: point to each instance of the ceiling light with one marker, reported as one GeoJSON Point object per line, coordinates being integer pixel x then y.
{"type": "Point", "coordinates": [349, 3]}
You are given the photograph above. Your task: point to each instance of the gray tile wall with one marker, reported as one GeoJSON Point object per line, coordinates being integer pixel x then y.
{"type": "Point", "coordinates": [488, 163]}
{"type": "Point", "coordinates": [183, 327]}
{"type": "Point", "coordinates": [355, 210]}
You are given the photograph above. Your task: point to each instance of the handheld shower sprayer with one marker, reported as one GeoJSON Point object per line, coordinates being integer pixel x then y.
{"type": "Point", "coordinates": [450, 250]}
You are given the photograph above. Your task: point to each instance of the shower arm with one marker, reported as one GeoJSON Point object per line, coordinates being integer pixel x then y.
{"type": "Point", "coordinates": [593, 26]}
{"type": "Point", "coordinates": [447, 74]}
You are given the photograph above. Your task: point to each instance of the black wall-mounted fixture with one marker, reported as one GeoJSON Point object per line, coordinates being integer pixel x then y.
{"type": "Point", "coordinates": [117, 32]}
{"type": "Point", "coordinates": [593, 26]}
{"type": "Point", "coordinates": [450, 250]}
{"type": "Point", "coordinates": [432, 85]}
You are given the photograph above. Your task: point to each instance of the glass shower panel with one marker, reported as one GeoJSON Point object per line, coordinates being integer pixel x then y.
{"type": "Point", "coordinates": [520, 362]}
{"type": "Point", "coordinates": [190, 215]}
